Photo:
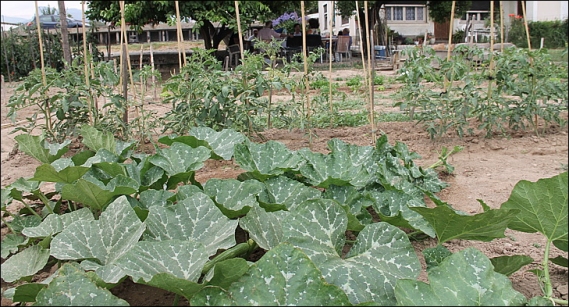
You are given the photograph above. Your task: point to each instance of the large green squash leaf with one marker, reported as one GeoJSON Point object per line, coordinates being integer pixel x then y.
{"type": "Point", "coordinates": [195, 218]}
{"type": "Point", "coordinates": [38, 148]}
{"type": "Point", "coordinates": [11, 243]}
{"type": "Point", "coordinates": [283, 276]}
{"type": "Point", "coordinates": [395, 166]}
{"type": "Point", "coordinates": [508, 265]}
{"type": "Point", "coordinates": [543, 206]}
{"type": "Point", "coordinates": [221, 143]}
{"type": "Point", "coordinates": [345, 165]}
{"type": "Point", "coordinates": [465, 278]}
{"type": "Point", "coordinates": [55, 223]}
{"type": "Point", "coordinates": [182, 259]}
{"type": "Point", "coordinates": [106, 240]}
{"type": "Point", "coordinates": [265, 228]}
{"type": "Point", "coordinates": [180, 158]}
{"type": "Point", "coordinates": [152, 197]}
{"type": "Point", "coordinates": [381, 255]}
{"type": "Point", "coordinates": [284, 193]}
{"type": "Point", "coordinates": [395, 207]}
{"type": "Point", "coordinates": [234, 198]}
{"type": "Point", "coordinates": [267, 159]}
{"type": "Point", "coordinates": [95, 194]}
{"type": "Point", "coordinates": [97, 140]}
{"type": "Point", "coordinates": [72, 287]}
{"type": "Point", "coordinates": [448, 224]}
{"type": "Point", "coordinates": [356, 201]}
{"type": "Point", "coordinates": [25, 263]}
{"type": "Point", "coordinates": [47, 172]}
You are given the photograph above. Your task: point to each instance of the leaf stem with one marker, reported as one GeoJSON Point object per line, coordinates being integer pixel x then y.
{"type": "Point", "coordinates": [176, 299]}
{"type": "Point", "coordinates": [235, 251]}
{"type": "Point", "coordinates": [6, 223]}
{"type": "Point", "coordinates": [548, 291]}
{"type": "Point", "coordinates": [44, 199]}
{"type": "Point", "coordinates": [559, 301]}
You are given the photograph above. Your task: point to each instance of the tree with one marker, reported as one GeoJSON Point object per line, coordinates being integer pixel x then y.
{"type": "Point", "coordinates": [205, 13]}
{"type": "Point", "coordinates": [64, 33]}
{"type": "Point", "coordinates": [47, 10]}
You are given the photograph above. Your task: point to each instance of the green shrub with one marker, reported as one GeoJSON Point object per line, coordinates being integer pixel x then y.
{"type": "Point", "coordinates": [554, 33]}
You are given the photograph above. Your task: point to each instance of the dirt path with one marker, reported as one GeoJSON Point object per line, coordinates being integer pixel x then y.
{"type": "Point", "coordinates": [486, 169]}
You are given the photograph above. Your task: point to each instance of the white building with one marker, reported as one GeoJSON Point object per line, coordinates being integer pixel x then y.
{"type": "Point", "coordinates": [411, 18]}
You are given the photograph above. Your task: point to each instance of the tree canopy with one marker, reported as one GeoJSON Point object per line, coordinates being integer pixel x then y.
{"type": "Point", "coordinates": [204, 13]}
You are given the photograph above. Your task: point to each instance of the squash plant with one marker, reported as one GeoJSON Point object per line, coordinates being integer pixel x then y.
{"type": "Point", "coordinates": [144, 216]}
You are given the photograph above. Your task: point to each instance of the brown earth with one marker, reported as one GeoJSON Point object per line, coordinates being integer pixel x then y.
{"type": "Point", "coordinates": [485, 169]}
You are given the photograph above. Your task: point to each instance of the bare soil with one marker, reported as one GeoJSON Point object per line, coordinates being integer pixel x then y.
{"type": "Point", "coordinates": [486, 169]}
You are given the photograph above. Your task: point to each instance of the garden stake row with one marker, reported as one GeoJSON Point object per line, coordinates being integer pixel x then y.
{"type": "Point", "coordinates": [44, 81]}
{"type": "Point", "coordinates": [86, 68]}
{"type": "Point", "coordinates": [449, 40]}
{"type": "Point", "coordinates": [180, 37]}
{"type": "Point", "coordinates": [369, 74]}
{"type": "Point", "coordinates": [330, 24]}
{"type": "Point", "coordinates": [305, 77]}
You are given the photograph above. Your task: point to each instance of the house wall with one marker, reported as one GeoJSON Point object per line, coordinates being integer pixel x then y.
{"type": "Point", "coordinates": [546, 10]}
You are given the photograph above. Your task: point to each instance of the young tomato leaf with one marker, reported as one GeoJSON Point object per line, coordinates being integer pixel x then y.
{"type": "Point", "coordinates": [95, 194]}
{"type": "Point", "coordinates": [27, 292]}
{"type": "Point", "coordinates": [169, 282]}
{"type": "Point", "coordinates": [283, 276]}
{"type": "Point", "coordinates": [55, 223]}
{"type": "Point", "coordinates": [226, 272]}
{"type": "Point", "coordinates": [543, 206]}
{"type": "Point", "coordinates": [38, 148]}
{"type": "Point", "coordinates": [508, 265]}
{"type": "Point", "coordinates": [25, 263]}
{"type": "Point", "coordinates": [194, 218]}
{"type": "Point", "coordinates": [448, 224]}
{"type": "Point", "coordinates": [465, 278]}
{"type": "Point", "coordinates": [381, 255]}
{"type": "Point", "coordinates": [118, 230]}
{"type": "Point", "coordinates": [266, 160]}
{"type": "Point", "coordinates": [234, 198]}
{"type": "Point", "coordinates": [79, 290]}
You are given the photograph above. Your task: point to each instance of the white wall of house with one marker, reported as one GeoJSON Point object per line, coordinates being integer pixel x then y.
{"type": "Point", "coordinates": [416, 23]}
{"type": "Point", "coordinates": [546, 10]}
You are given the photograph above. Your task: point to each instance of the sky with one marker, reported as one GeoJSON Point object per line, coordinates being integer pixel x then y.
{"type": "Point", "coordinates": [27, 9]}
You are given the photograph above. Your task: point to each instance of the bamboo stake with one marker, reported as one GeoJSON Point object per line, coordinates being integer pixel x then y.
{"type": "Point", "coordinates": [491, 66]}
{"type": "Point", "coordinates": [124, 66]}
{"type": "Point", "coordinates": [239, 31]}
{"type": "Point", "coordinates": [305, 87]}
{"type": "Point", "coordinates": [332, 15]}
{"type": "Point", "coordinates": [153, 78]}
{"type": "Point", "coordinates": [43, 77]}
{"type": "Point", "coordinates": [369, 74]}
{"type": "Point", "coordinates": [180, 35]}
{"type": "Point", "coordinates": [86, 66]}
{"type": "Point", "coordinates": [526, 24]}
{"type": "Point", "coordinates": [449, 40]}
{"type": "Point", "coordinates": [501, 26]}
{"type": "Point", "coordinates": [361, 44]}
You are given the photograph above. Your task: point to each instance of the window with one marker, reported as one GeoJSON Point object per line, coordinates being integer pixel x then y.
{"type": "Point", "coordinates": [325, 7]}
{"type": "Point", "coordinates": [405, 13]}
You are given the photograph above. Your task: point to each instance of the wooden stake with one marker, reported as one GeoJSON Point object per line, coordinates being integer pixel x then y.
{"type": "Point", "coordinates": [124, 65]}
{"type": "Point", "coordinates": [361, 47]}
{"type": "Point", "coordinates": [305, 88]}
{"type": "Point", "coordinates": [369, 79]}
{"type": "Point", "coordinates": [239, 31]}
{"type": "Point", "coordinates": [86, 66]}
{"type": "Point", "coordinates": [449, 40]}
{"type": "Point", "coordinates": [501, 26]}
{"type": "Point", "coordinates": [526, 24]}
{"type": "Point", "coordinates": [43, 77]}
{"type": "Point", "coordinates": [153, 78]}
{"type": "Point", "coordinates": [180, 35]}
{"type": "Point", "coordinates": [331, 13]}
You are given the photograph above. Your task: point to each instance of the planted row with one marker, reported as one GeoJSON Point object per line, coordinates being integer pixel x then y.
{"type": "Point", "coordinates": [145, 217]}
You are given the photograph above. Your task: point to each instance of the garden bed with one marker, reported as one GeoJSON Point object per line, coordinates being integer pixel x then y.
{"type": "Point", "coordinates": [486, 169]}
